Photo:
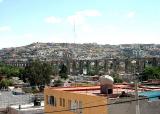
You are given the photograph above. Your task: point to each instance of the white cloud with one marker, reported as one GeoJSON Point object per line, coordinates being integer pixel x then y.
{"type": "Point", "coordinates": [52, 20]}
{"type": "Point", "coordinates": [131, 14]}
{"type": "Point", "coordinates": [80, 20]}
{"type": "Point", "coordinates": [76, 19]}
{"type": "Point", "coordinates": [5, 28]}
{"type": "Point", "coordinates": [79, 17]}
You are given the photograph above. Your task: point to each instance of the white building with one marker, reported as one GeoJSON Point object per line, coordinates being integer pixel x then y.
{"type": "Point", "coordinates": [26, 109]}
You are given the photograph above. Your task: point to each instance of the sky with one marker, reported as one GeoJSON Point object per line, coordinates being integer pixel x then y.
{"type": "Point", "coordinates": [23, 22]}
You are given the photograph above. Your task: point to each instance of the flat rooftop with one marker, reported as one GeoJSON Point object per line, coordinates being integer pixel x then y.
{"type": "Point", "coordinates": [28, 107]}
{"type": "Point", "coordinates": [8, 98]}
{"type": "Point", "coordinates": [77, 88]}
{"type": "Point", "coordinates": [95, 90]}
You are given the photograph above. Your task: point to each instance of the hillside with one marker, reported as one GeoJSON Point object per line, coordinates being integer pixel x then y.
{"type": "Point", "coordinates": [54, 51]}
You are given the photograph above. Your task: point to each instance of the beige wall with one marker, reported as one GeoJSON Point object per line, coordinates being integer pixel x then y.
{"type": "Point", "coordinates": [87, 101]}
{"type": "Point", "coordinates": [146, 107]}
{"type": "Point", "coordinates": [23, 111]}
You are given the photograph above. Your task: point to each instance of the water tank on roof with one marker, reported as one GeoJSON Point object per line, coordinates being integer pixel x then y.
{"type": "Point", "coordinates": [106, 84]}
{"type": "Point", "coordinates": [106, 80]}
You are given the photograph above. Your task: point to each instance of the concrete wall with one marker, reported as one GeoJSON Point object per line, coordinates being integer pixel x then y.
{"type": "Point", "coordinates": [24, 111]}
{"type": "Point", "coordinates": [2, 110]}
{"type": "Point", "coordinates": [150, 107]}
{"type": "Point", "coordinates": [146, 107]}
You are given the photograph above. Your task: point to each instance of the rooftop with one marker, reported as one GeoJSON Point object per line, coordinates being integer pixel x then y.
{"type": "Point", "coordinates": [8, 98]}
{"type": "Point", "coordinates": [28, 107]}
{"type": "Point", "coordinates": [95, 90]}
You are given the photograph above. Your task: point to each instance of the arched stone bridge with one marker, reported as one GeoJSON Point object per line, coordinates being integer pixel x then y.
{"type": "Point", "coordinates": [100, 66]}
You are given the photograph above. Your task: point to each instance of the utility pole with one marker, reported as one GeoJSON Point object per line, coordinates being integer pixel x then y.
{"type": "Point", "coordinates": [136, 96]}
{"type": "Point", "coordinates": [136, 88]}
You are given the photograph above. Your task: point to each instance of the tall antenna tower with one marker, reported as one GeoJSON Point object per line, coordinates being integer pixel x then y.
{"type": "Point", "coordinates": [75, 35]}
{"type": "Point", "coordinates": [74, 29]}
{"type": "Point", "coordinates": [76, 49]}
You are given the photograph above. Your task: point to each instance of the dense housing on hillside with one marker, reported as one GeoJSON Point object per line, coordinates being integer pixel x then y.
{"type": "Point", "coordinates": [52, 51]}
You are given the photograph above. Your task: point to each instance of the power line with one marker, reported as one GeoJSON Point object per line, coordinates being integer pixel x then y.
{"type": "Point", "coordinates": [98, 101]}
{"type": "Point", "coordinates": [120, 102]}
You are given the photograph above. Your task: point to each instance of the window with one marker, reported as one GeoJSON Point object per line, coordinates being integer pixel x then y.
{"type": "Point", "coordinates": [47, 99]}
{"type": "Point", "coordinates": [52, 100]}
{"type": "Point", "coordinates": [69, 104]}
{"type": "Point", "coordinates": [75, 106]}
{"type": "Point", "coordinates": [62, 102]}
{"type": "Point", "coordinates": [55, 101]}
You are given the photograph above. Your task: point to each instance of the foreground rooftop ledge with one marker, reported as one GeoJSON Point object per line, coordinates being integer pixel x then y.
{"type": "Point", "coordinates": [28, 107]}
{"type": "Point", "coordinates": [81, 88]}
{"type": "Point", "coordinates": [115, 86]}
{"type": "Point", "coordinates": [93, 91]}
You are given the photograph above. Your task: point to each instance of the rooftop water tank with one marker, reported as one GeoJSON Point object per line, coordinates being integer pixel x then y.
{"type": "Point", "coordinates": [106, 80]}
{"type": "Point", "coordinates": [106, 84]}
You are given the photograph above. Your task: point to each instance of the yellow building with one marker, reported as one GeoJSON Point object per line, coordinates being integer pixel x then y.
{"type": "Point", "coordinates": [75, 100]}
{"type": "Point", "coordinates": [94, 100]}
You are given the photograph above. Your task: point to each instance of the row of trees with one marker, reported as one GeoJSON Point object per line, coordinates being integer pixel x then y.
{"type": "Point", "coordinates": [38, 73]}
{"type": "Point", "coordinates": [150, 72]}
{"type": "Point", "coordinates": [10, 71]}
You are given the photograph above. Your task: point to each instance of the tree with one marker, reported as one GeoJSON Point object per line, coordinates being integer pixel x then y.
{"type": "Point", "coordinates": [55, 69]}
{"type": "Point", "coordinates": [92, 70]}
{"type": "Point", "coordinates": [63, 72]}
{"type": "Point", "coordinates": [58, 83]}
{"type": "Point", "coordinates": [9, 71]}
{"type": "Point", "coordinates": [150, 73]}
{"type": "Point", "coordinates": [46, 72]}
{"type": "Point", "coordinates": [116, 78]}
{"type": "Point", "coordinates": [38, 73]}
{"type": "Point", "coordinates": [5, 83]}
{"type": "Point", "coordinates": [21, 73]}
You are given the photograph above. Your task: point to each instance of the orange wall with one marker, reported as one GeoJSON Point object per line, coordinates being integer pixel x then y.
{"type": "Point", "coordinates": [87, 101]}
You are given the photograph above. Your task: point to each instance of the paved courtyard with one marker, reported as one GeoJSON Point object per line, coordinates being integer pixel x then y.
{"type": "Point", "coordinates": [7, 99]}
